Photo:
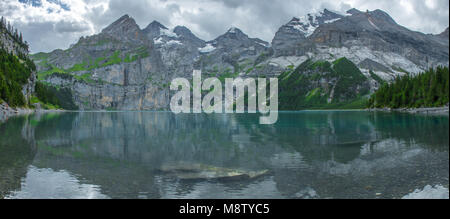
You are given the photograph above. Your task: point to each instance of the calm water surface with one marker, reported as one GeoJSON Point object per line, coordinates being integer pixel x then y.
{"type": "Point", "coordinates": [308, 155]}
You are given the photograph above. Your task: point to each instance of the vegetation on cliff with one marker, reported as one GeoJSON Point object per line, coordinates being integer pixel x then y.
{"type": "Point", "coordinates": [13, 33]}
{"type": "Point", "coordinates": [55, 97]}
{"type": "Point", "coordinates": [310, 86]}
{"type": "Point", "coordinates": [428, 89]}
{"type": "Point", "coordinates": [89, 64]}
{"type": "Point", "coordinates": [14, 73]}
{"type": "Point", "coordinates": [16, 69]}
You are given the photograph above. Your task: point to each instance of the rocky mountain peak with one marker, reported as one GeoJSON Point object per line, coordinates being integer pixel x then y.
{"type": "Point", "coordinates": [182, 30]}
{"type": "Point", "coordinates": [163, 36]}
{"type": "Point", "coordinates": [444, 34]}
{"type": "Point", "coordinates": [307, 24]}
{"type": "Point", "coordinates": [232, 36]}
{"type": "Point", "coordinates": [370, 39]}
{"type": "Point", "coordinates": [154, 29]}
{"type": "Point", "coordinates": [354, 11]}
{"type": "Point", "coordinates": [125, 29]}
{"type": "Point", "coordinates": [236, 33]}
{"type": "Point", "coordinates": [382, 16]}
{"type": "Point", "coordinates": [186, 35]}
{"type": "Point", "coordinates": [154, 26]}
{"type": "Point", "coordinates": [300, 28]}
{"type": "Point", "coordinates": [123, 24]}
{"type": "Point", "coordinates": [234, 30]}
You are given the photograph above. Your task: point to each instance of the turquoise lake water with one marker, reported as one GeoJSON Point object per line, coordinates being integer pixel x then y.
{"type": "Point", "coordinates": [311, 154]}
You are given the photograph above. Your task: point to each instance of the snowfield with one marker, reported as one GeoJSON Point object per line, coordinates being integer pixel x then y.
{"type": "Point", "coordinates": [359, 53]}
{"type": "Point", "coordinates": [208, 48]}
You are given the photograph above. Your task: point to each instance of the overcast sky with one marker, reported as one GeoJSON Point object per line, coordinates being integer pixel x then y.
{"type": "Point", "coordinates": [53, 24]}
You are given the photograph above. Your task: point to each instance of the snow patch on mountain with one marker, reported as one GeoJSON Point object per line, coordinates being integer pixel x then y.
{"type": "Point", "coordinates": [359, 53]}
{"type": "Point", "coordinates": [264, 44]}
{"type": "Point", "coordinates": [158, 40]}
{"type": "Point", "coordinates": [332, 21]}
{"type": "Point", "coordinates": [307, 24]}
{"type": "Point", "coordinates": [383, 75]}
{"type": "Point", "coordinates": [174, 42]}
{"type": "Point", "coordinates": [168, 33]}
{"type": "Point", "coordinates": [371, 23]}
{"type": "Point", "coordinates": [207, 49]}
{"type": "Point", "coordinates": [285, 61]}
{"type": "Point", "coordinates": [232, 30]}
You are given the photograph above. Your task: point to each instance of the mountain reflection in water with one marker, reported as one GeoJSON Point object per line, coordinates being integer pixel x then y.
{"type": "Point", "coordinates": [316, 154]}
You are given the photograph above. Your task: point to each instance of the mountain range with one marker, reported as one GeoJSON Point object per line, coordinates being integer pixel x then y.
{"type": "Point", "coordinates": [324, 59]}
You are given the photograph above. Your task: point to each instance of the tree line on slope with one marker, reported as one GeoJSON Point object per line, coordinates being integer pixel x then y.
{"type": "Point", "coordinates": [428, 89]}
{"type": "Point", "coordinates": [14, 73]}
{"type": "Point", "coordinates": [14, 33]}
{"type": "Point", "coordinates": [15, 70]}
{"type": "Point", "coordinates": [56, 97]}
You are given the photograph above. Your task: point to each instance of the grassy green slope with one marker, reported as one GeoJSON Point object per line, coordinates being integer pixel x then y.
{"type": "Point", "coordinates": [311, 84]}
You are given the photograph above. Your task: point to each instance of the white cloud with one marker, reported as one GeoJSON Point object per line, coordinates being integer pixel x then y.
{"type": "Point", "coordinates": [50, 26]}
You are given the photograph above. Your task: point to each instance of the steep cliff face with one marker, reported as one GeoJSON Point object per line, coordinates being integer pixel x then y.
{"type": "Point", "coordinates": [14, 45]}
{"type": "Point", "coordinates": [372, 40]}
{"type": "Point", "coordinates": [178, 48]}
{"type": "Point", "coordinates": [377, 33]}
{"type": "Point", "coordinates": [10, 44]}
{"type": "Point", "coordinates": [117, 69]}
{"type": "Point", "coordinates": [124, 67]}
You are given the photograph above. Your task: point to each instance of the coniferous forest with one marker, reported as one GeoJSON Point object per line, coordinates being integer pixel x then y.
{"type": "Point", "coordinates": [15, 70]}
{"type": "Point", "coordinates": [429, 89]}
{"type": "Point", "coordinates": [13, 75]}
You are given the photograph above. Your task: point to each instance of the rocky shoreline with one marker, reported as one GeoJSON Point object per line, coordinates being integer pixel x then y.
{"type": "Point", "coordinates": [427, 111]}
{"type": "Point", "coordinates": [6, 111]}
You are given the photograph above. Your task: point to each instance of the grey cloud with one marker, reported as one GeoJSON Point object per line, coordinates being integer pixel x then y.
{"type": "Point", "coordinates": [143, 12]}
{"type": "Point", "coordinates": [71, 27]}
{"type": "Point", "coordinates": [43, 36]}
{"type": "Point", "coordinates": [424, 19]}
{"type": "Point", "coordinates": [211, 18]}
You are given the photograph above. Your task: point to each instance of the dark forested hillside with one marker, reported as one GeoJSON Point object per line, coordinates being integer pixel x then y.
{"type": "Point", "coordinates": [429, 89]}
{"type": "Point", "coordinates": [14, 73]}
{"type": "Point", "coordinates": [307, 87]}
{"type": "Point", "coordinates": [17, 74]}
{"type": "Point", "coordinates": [15, 66]}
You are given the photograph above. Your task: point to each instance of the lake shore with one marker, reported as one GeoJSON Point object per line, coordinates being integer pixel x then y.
{"type": "Point", "coordinates": [427, 111]}
{"type": "Point", "coordinates": [6, 111]}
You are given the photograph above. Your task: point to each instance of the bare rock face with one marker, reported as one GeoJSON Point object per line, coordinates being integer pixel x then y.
{"type": "Point", "coordinates": [126, 30]}
{"type": "Point", "coordinates": [177, 47]}
{"type": "Point", "coordinates": [126, 68]}
{"type": "Point", "coordinates": [119, 68]}
{"type": "Point", "coordinates": [232, 53]}
{"type": "Point", "coordinates": [373, 66]}
{"type": "Point", "coordinates": [297, 31]}
{"type": "Point", "coordinates": [377, 31]}
{"type": "Point", "coordinates": [11, 45]}
{"type": "Point", "coordinates": [444, 35]}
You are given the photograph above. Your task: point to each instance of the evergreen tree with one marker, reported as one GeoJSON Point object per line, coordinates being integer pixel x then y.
{"type": "Point", "coordinates": [428, 89]}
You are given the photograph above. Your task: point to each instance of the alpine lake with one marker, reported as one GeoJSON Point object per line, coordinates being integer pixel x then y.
{"type": "Point", "coordinates": [160, 155]}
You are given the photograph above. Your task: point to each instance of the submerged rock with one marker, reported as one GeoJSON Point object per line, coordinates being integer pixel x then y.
{"type": "Point", "coordinates": [207, 172]}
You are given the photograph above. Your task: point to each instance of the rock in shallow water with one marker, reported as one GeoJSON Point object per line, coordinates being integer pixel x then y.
{"type": "Point", "coordinates": [207, 172]}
